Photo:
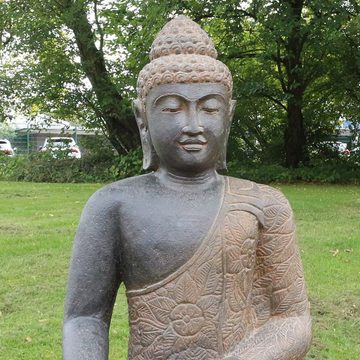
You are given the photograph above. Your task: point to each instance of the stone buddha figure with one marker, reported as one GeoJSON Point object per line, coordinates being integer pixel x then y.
{"type": "Point", "coordinates": [210, 263]}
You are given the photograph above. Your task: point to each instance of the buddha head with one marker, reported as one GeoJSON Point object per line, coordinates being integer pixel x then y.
{"type": "Point", "coordinates": [184, 106]}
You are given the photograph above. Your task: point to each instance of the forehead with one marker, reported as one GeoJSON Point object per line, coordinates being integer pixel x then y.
{"type": "Point", "coordinates": [191, 92]}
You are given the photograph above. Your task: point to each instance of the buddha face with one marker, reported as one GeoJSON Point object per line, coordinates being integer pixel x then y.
{"type": "Point", "coordinates": [188, 125]}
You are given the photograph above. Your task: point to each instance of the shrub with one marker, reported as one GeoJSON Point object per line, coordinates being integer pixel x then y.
{"type": "Point", "coordinates": [335, 171]}
{"type": "Point", "coordinates": [92, 167]}
{"type": "Point", "coordinates": [105, 166]}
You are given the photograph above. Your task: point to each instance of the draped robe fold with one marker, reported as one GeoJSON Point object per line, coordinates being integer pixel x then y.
{"type": "Point", "coordinates": [226, 289]}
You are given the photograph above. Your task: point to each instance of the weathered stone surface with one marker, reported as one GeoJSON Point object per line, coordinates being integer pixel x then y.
{"type": "Point", "coordinates": [210, 263]}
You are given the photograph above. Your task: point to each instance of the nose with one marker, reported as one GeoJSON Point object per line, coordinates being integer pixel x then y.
{"type": "Point", "coordinates": [193, 126]}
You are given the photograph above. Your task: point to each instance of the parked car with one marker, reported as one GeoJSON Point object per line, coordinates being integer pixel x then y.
{"type": "Point", "coordinates": [339, 146]}
{"type": "Point", "coordinates": [326, 148]}
{"type": "Point", "coordinates": [6, 148]}
{"type": "Point", "coordinates": [343, 149]}
{"type": "Point", "coordinates": [62, 145]}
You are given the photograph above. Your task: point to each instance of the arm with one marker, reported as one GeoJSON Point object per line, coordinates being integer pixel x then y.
{"type": "Point", "coordinates": [93, 281]}
{"type": "Point", "coordinates": [283, 328]}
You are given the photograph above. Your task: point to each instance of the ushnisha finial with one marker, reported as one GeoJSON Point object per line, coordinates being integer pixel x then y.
{"type": "Point", "coordinates": [182, 36]}
{"type": "Point", "coordinates": [182, 53]}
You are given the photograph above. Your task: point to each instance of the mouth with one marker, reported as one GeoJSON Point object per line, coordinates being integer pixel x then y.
{"type": "Point", "coordinates": [193, 144]}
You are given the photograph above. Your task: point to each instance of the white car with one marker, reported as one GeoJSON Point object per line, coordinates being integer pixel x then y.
{"type": "Point", "coordinates": [337, 146]}
{"type": "Point", "coordinates": [6, 148]}
{"type": "Point", "coordinates": [57, 145]}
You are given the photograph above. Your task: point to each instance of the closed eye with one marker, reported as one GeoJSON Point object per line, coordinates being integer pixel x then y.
{"type": "Point", "coordinates": [210, 110]}
{"type": "Point", "coordinates": [171, 110]}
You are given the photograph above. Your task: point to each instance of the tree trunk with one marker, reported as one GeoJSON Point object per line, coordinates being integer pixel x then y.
{"type": "Point", "coordinates": [121, 127]}
{"type": "Point", "coordinates": [295, 137]}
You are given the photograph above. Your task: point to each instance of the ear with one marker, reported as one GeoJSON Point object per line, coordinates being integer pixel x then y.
{"type": "Point", "coordinates": [150, 159]}
{"type": "Point", "coordinates": [232, 109]}
{"type": "Point", "coordinates": [222, 157]}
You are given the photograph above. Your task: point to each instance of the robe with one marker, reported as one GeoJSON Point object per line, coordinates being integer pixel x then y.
{"type": "Point", "coordinates": [245, 270]}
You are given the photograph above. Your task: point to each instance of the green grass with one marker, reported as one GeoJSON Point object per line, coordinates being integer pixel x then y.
{"type": "Point", "coordinates": [37, 225]}
{"type": "Point", "coordinates": [328, 222]}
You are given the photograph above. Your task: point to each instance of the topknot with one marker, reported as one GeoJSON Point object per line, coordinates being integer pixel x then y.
{"type": "Point", "coordinates": [182, 36]}
{"type": "Point", "coordinates": [182, 53]}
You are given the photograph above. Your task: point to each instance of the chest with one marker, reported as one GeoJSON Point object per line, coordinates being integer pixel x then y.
{"type": "Point", "coordinates": [159, 235]}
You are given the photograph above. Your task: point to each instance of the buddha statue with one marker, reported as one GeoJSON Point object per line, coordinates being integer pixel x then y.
{"type": "Point", "coordinates": [210, 263]}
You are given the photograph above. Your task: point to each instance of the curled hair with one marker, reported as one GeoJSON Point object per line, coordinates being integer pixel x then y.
{"type": "Point", "coordinates": [182, 53]}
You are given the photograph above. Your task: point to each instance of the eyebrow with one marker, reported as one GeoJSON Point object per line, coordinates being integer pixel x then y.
{"type": "Point", "coordinates": [188, 99]}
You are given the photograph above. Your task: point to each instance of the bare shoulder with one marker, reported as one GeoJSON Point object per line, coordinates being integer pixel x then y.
{"type": "Point", "coordinates": [113, 195]}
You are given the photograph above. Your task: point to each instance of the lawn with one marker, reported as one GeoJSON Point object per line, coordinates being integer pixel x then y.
{"type": "Point", "coordinates": [37, 225]}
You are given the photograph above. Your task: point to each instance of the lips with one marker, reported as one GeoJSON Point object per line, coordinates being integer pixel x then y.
{"type": "Point", "coordinates": [193, 144]}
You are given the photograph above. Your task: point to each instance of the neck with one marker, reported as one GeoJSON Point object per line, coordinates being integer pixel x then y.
{"type": "Point", "coordinates": [172, 177]}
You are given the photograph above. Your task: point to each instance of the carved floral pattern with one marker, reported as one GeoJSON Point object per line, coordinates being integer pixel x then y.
{"type": "Point", "coordinates": [187, 319]}
{"type": "Point", "coordinates": [182, 315]}
{"type": "Point", "coordinates": [211, 303]}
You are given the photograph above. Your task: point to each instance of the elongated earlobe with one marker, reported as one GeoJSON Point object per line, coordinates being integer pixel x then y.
{"type": "Point", "coordinates": [232, 109]}
{"type": "Point", "coordinates": [221, 165]}
{"type": "Point", "coordinates": [150, 158]}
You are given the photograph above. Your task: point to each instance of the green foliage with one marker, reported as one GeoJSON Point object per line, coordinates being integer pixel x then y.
{"type": "Point", "coordinates": [108, 167]}
{"type": "Point", "coordinates": [333, 171]}
{"type": "Point", "coordinates": [92, 167]}
{"type": "Point", "coordinates": [6, 132]}
{"type": "Point", "coordinates": [125, 166]}
{"type": "Point", "coordinates": [273, 54]}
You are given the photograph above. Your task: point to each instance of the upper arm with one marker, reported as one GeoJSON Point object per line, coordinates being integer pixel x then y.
{"type": "Point", "coordinates": [95, 272]}
{"type": "Point", "coordinates": [280, 279]}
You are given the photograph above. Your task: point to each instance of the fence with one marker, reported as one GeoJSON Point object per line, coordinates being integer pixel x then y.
{"type": "Point", "coordinates": [27, 141]}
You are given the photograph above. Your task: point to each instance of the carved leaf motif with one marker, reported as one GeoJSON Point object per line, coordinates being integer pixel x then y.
{"type": "Point", "coordinates": [228, 328]}
{"type": "Point", "coordinates": [210, 305]}
{"type": "Point", "coordinates": [202, 273]}
{"type": "Point", "coordinates": [212, 281]}
{"type": "Point", "coordinates": [271, 211]}
{"type": "Point", "coordinates": [235, 292]}
{"type": "Point", "coordinates": [161, 307]}
{"type": "Point", "coordinates": [233, 259]}
{"type": "Point", "coordinates": [234, 231]}
{"type": "Point", "coordinates": [283, 246]}
{"type": "Point", "coordinates": [167, 340]}
{"type": "Point", "coordinates": [143, 311]}
{"type": "Point", "coordinates": [146, 333]}
{"type": "Point", "coordinates": [285, 299]}
{"type": "Point", "coordinates": [161, 292]}
{"type": "Point", "coordinates": [282, 220]}
{"type": "Point", "coordinates": [135, 351]}
{"type": "Point", "coordinates": [208, 338]}
{"type": "Point", "coordinates": [186, 290]}
{"type": "Point", "coordinates": [236, 334]}
{"type": "Point", "coordinates": [151, 352]}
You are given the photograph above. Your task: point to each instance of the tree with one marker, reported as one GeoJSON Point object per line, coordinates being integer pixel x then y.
{"type": "Point", "coordinates": [285, 52]}
{"type": "Point", "coordinates": [47, 56]}
{"type": "Point", "coordinates": [282, 55]}
{"type": "Point", "coordinates": [295, 64]}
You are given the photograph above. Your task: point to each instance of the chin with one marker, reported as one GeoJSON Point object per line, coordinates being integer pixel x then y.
{"type": "Point", "coordinates": [185, 161]}
{"type": "Point", "coordinates": [193, 164]}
